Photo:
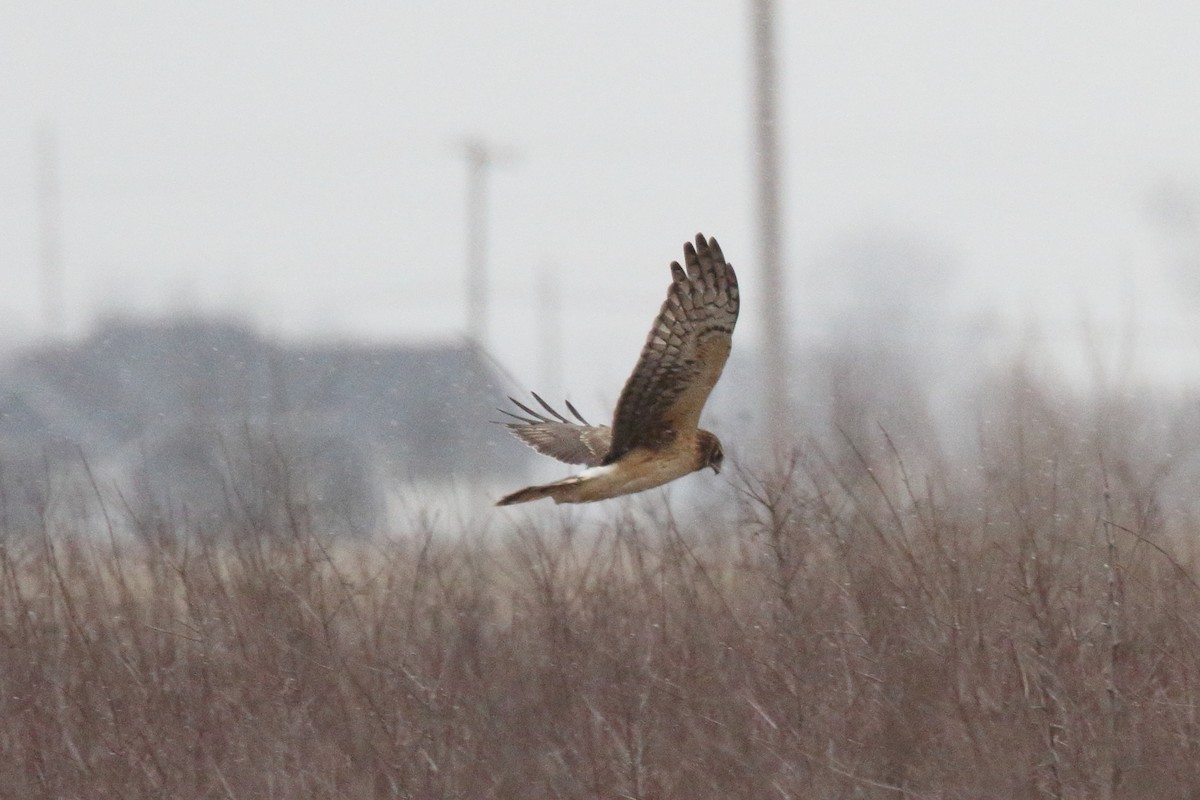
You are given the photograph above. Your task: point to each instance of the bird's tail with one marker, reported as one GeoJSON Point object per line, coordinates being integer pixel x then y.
{"type": "Point", "coordinates": [560, 491]}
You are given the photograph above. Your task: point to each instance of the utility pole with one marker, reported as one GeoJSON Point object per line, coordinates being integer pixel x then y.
{"type": "Point", "coordinates": [481, 157]}
{"type": "Point", "coordinates": [775, 336]}
{"type": "Point", "coordinates": [49, 231]}
{"type": "Point", "coordinates": [550, 313]}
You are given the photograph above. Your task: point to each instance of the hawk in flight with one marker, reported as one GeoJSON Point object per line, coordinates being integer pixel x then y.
{"type": "Point", "coordinates": [654, 436]}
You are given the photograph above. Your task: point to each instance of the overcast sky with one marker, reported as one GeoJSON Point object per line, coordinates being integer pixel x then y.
{"type": "Point", "coordinates": [300, 164]}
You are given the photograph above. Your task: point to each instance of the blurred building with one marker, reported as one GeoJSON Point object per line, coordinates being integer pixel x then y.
{"type": "Point", "coordinates": [213, 424]}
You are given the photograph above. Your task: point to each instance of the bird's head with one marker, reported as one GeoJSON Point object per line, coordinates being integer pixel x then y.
{"type": "Point", "coordinates": [710, 452]}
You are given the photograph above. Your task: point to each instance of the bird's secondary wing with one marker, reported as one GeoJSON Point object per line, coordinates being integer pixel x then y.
{"type": "Point", "coordinates": [558, 437]}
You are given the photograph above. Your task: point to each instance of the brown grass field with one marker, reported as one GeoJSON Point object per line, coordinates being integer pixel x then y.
{"type": "Point", "coordinates": [863, 622]}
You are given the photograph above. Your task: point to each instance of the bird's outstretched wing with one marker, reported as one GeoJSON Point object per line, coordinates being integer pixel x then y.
{"type": "Point", "coordinates": [683, 355]}
{"type": "Point", "coordinates": [557, 436]}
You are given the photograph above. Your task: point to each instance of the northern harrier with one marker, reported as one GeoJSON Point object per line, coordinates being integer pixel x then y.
{"type": "Point", "coordinates": [654, 437]}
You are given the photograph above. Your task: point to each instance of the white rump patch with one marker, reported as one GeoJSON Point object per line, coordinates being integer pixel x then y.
{"type": "Point", "coordinates": [591, 473]}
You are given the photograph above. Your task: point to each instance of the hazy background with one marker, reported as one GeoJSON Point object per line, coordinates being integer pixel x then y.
{"type": "Point", "coordinates": [978, 575]}
{"type": "Point", "coordinates": [1022, 171]}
